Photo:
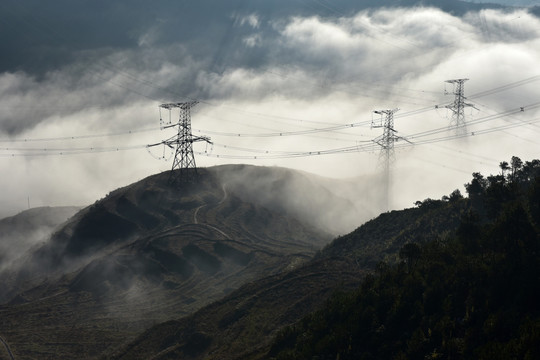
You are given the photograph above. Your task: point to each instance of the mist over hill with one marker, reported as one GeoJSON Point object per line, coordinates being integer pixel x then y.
{"type": "Point", "coordinates": [151, 251]}
{"type": "Point", "coordinates": [221, 267]}
{"type": "Point", "coordinates": [333, 206]}
{"type": "Point", "coordinates": [150, 205]}
{"type": "Point", "coordinates": [472, 293]}
{"type": "Point", "coordinates": [29, 228]}
{"type": "Point", "coordinates": [454, 277]}
{"type": "Point", "coordinates": [82, 81]}
{"type": "Point", "coordinates": [243, 324]}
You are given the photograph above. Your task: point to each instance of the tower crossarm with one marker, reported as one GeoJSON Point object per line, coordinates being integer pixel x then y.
{"type": "Point", "coordinates": [184, 167]}
{"type": "Point", "coordinates": [181, 105]}
{"type": "Point", "coordinates": [457, 107]}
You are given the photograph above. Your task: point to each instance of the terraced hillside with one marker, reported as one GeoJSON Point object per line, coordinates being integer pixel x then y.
{"type": "Point", "coordinates": [244, 324]}
{"type": "Point", "coordinates": [146, 253]}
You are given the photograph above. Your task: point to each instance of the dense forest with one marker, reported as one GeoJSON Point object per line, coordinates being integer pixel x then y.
{"type": "Point", "coordinates": [473, 293]}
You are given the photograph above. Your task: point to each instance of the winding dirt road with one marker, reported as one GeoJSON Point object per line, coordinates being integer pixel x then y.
{"type": "Point", "coordinates": [196, 213]}
{"type": "Point", "coordinates": [7, 348]}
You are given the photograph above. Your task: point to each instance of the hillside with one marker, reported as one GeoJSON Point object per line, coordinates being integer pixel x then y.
{"type": "Point", "coordinates": [329, 205]}
{"type": "Point", "coordinates": [147, 253]}
{"type": "Point", "coordinates": [472, 294]}
{"type": "Point", "coordinates": [420, 276]}
{"type": "Point", "coordinates": [243, 324]}
{"type": "Point", "coordinates": [233, 280]}
{"type": "Point", "coordinates": [20, 232]}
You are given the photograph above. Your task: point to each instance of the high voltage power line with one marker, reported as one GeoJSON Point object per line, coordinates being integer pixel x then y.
{"type": "Point", "coordinates": [39, 152]}
{"type": "Point", "coordinates": [266, 154]}
{"type": "Point", "coordinates": [78, 137]}
{"type": "Point", "coordinates": [418, 138]}
{"type": "Point", "coordinates": [478, 121]}
{"type": "Point", "coordinates": [366, 146]}
{"type": "Point", "coordinates": [285, 133]}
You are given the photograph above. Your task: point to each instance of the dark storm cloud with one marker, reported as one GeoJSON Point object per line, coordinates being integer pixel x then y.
{"type": "Point", "coordinates": [38, 36]}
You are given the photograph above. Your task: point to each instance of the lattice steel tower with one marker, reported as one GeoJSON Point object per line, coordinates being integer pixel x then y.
{"type": "Point", "coordinates": [386, 142]}
{"type": "Point", "coordinates": [458, 114]}
{"type": "Point", "coordinates": [184, 167]}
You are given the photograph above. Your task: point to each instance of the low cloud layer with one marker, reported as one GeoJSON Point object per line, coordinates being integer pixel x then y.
{"type": "Point", "coordinates": [262, 71]}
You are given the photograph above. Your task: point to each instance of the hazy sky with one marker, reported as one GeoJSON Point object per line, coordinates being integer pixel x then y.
{"type": "Point", "coordinates": [87, 77]}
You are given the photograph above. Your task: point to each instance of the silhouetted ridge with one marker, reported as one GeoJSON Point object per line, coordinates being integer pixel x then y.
{"type": "Point", "coordinates": [444, 279]}
{"type": "Point", "coordinates": [470, 294]}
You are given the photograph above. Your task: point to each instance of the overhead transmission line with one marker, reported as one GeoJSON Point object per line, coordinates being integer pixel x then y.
{"type": "Point", "coordinates": [290, 155]}
{"type": "Point", "coordinates": [476, 121]}
{"type": "Point", "coordinates": [287, 133]}
{"type": "Point", "coordinates": [372, 146]}
{"type": "Point", "coordinates": [78, 137]}
{"type": "Point", "coordinates": [36, 152]}
{"type": "Point", "coordinates": [414, 137]}
{"type": "Point", "coordinates": [365, 146]}
{"type": "Point", "coordinates": [505, 87]}
{"type": "Point", "coordinates": [368, 146]}
{"type": "Point", "coordinates": [290, 133]}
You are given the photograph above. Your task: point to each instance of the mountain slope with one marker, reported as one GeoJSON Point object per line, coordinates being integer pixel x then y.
{"type": "Point", "coordinates": [330, 205]}
{"type": "Point", "coordinates": [243, 324]}
{"type": "Point", "coordinates": [147, 253]}
{"type": "Point", "coordinates": [455, 275]}
{"type": "Point", "coordinates": [20, 232]}
{"type": "Point", "coordinates": [471, 295]}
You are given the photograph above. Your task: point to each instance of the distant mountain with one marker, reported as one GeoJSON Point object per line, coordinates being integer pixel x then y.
{"type": "Point", "coordinates": [29, 228]}
{"type": "Point", "coordinates": [151, 252]}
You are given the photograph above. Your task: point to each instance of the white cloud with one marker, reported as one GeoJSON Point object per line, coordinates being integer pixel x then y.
{"type": "Point", "coordinates": [253, 40]}
{"type": "Point", "coordinates": [308, 73]}
{"type": "Point", "coordinates": [252, 20]}
{"type": "Point", "coordinates": [509, 27]}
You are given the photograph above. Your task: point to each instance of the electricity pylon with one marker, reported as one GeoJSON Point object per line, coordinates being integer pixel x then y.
{"type": "Point", "coordinates": [458, 114]}
{"type": "Point", "coordinates": [386, 142]}
{"type": "Point", "coordinates": [184, 168]}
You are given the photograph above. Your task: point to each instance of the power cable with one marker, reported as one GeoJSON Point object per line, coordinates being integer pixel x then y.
{"type": "Point", "coordinates": [78, 137]}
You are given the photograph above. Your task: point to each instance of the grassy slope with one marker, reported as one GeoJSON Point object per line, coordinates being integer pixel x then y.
{"type": "Point", "coordinates": [243, 324]}
{"type": "Point", "coordinates": [138, 257]}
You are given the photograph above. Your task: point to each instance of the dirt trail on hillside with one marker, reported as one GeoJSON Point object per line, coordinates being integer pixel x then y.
{"type": "Point", "coordinates": [6, 345]}
{"type": "Point", "coordinates": [196, 213]}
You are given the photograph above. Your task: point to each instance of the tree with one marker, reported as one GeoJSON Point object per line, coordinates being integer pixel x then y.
{"type": "Point", "coordinates": [455, 195]}
{"type": "Point", "coordinates": [410, 252]}
{"type": "Point", "coordinates": [516, 165]}
{"type": "Point", "coordinates": [504, 167]}
{"type": "Point", "coordinates": [531, 170]}
{"type": "Point", "coordinates": [476, 189]}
